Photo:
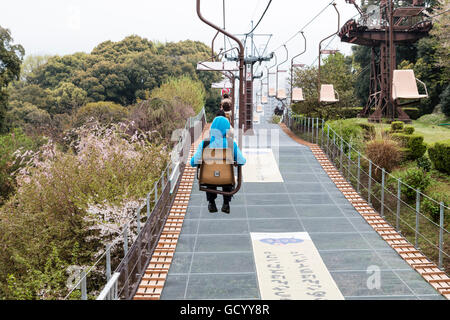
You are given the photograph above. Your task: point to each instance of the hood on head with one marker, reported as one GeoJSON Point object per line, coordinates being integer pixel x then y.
{"type": "Point", "coordinates": [219, 128]}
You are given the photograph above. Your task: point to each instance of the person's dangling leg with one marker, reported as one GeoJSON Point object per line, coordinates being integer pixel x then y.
{"type": "Point", "coordinates": [211, 197]}
{"type": "Point", "coordinates": [226, 199]}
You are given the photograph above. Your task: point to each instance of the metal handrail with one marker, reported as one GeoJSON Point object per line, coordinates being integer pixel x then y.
{"type": "Point", "coordinates": [166, 188]}
{"type": "Point", "coordinates": [338, 144]}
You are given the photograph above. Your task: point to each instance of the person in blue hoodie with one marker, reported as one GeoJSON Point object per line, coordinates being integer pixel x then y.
{"type": "Point", "coordinates": [218, 139]}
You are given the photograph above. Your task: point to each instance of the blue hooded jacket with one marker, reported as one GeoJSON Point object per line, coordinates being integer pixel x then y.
{"type": "Point", "coordinates": [218, 140]}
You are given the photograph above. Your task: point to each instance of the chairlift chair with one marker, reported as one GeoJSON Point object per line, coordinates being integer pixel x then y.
{"type": "Point", "coordinates": [281, 94]}
{"type": "Point", "coordinates": [404, 86]}
{"type": "Point", "coordinates": [272, 92]}
{"type": "Point", "coordinates": [264, 99]}
{"type": "Point", "coordinates": [217, 168]}
{"type": "Point", "coordinates": [328, 94]}
{"type": "Point", "coordinates": [297, 94]}
{"type": "Point", "coordinates": [259, 108]}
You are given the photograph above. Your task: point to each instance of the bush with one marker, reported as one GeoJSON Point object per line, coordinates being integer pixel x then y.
{"type": "Point", "coordinates": [350, 112]}
{"type": "Point", "coordinates": [433, 118]}
{"type": "Point", "coordinates": [416, 178]}
{"type": "Point", "coordinates": [397, 126]}
{"type": "Point", "coordinates": [384, 153]}
{"type": "Point", "coordinates": [432, 208]}
{"type": "Point", "coordinates": [187, 91]}
{"type": "Point", "coordinates": [413, 113]}
{"type": "Point", "coordinates": [440, 155]}
{"type": "Point", "coordinates": [413, 146]}
{"type": "Point", "coordinates": [369, 129]}
{"type": "Point", "coordinates": [276, 119]}
{"type": "Point", "coordinates": [424, 163]}
{"type": "Point", "coordinates": [103, 112]}
{"type": "Point", "coordinates": [408, 129]}
{"type": "Point", "coordinates": [349, 130]}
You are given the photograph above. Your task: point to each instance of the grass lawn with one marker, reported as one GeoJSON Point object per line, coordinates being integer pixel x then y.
{"type": "Point", "coordinates": [431, 132]}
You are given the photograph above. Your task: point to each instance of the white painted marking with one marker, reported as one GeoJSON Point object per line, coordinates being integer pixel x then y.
{"type": "Point", "coordinates": [289, 267]}
{"type": "Point", "coordinates": [261, 166]}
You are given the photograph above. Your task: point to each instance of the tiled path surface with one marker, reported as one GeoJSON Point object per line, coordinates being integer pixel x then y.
{"type": "Point", "coordinates": [214, 259]}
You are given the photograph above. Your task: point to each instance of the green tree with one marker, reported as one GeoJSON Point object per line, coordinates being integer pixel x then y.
{"type": "Point", "coordinates": [10, 60]}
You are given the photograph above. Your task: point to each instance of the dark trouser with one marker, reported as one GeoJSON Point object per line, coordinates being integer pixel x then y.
{"type": "Point", "coordinates": [212, 196]}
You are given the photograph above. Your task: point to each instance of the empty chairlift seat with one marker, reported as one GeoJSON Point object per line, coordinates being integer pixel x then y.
{"type": "Point", "coordinates": [264, 99]}
{"type": "Point", "coordinates": [259, 108]}
{"type": "Point", "coordinates": [328, 94]}
{"type": "Point", "coordinates": [297, 94]}
{"type": "Point", "coordinates": [281, 94]}
{"type": "Point", "coordinates": [272, 92]}
{"type": "Point", "coordinates": [405, 85]}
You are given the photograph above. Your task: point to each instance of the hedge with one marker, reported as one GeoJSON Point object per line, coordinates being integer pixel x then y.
{"type": "Point", "coordinates": [413, 145]}
{"type": "Point", "coordinates": [440, 155]}
{"type": "Point", "coordinates": [369, 129]}
{"type": "Point", "coordinates": [397, 126]}
{"type": "Point", "coordinates": [350, 112]}
{"type": "Point", "coordinates": [413, 113]}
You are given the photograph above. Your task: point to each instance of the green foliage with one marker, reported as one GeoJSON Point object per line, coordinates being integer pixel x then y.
{"type": "Point", "coordinates": [103, 112]}
{"type": "Point", "coordinates": [433, 118]}
{"type": "Point", "coordinates": [440, 155]}
{"type": "Point", "coordinates": [397, 126]}
{"type": "Point", "coordinates": [413, 113]}
{"type": "Point", "coordinates": [445, 101]}
{"type": "Point", "coordinates": [349, 130]}
{"type": "Point", "coordinates": [415, 178]}
{"type": "Point", "coordinates": [183, 89]}
{"type": "Point", "coordinates": [10, 60]}
{"type": "Point", "coordinates": [408, 129]}
{"type": "Point", "coordinates": [276, 119]}
{"type": "Point", "coordinates": [432, 208]}
{"type": "Point", "coordinates": [369, 130]}
{"type": "Point", "coordinates": [413, 145]}
{"type": "Point", "coordinates": [9, 163]}
{"type": "Point", "coordinates": [424, 163]}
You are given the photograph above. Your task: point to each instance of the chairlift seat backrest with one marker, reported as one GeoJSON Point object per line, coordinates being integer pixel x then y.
{"type": "Point", "coordinates": [217, 164]}
{"type": "Point", "coordinates": [405, 85]}
{"type": "Point", "coordinates": [297, 94]}
{"type": "Point", "coordinates": [281, 94]}
{"type": "Point", "coordinates": [259, 108]}
{"type": "Point", "coordinates": [264, 99]}
{"type": "Point", "coordinates": [327, 93]}
{"type": "Point", "coordinates": [272, 92]}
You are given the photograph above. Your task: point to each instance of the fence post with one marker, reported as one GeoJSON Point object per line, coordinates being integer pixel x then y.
{"type": "Point", "coordinates": [349, 160]}
{"type": "Point", "coordinates": [125, 240]}
{"type": "Point", "coordinates": [323, 123]}
{"type": "Point", "coordinates": [138, 220]}
{"type": "Point", "coordinates": [441, 233]}
{"type": "Point", "coordinates": [382, 191]}
{"type": "Point", "coordinates": [417, 217]}
{"type": "Point", "coordinates": [399, 196]}
{"type": "Point", "coordinates": [359, 173]}
{"type": "Point", "coordinates": [317, 132]}
{"type": "Point", "coordinates": [328, 139]}
{"type": "Point", "coordinates": [148, 205]}
{"type": "Point", "coordinates": [341, 155]}
{"type": "Point", "coordinates": [369, 187]}
{"type": "Point", "coordinates": [156, 192]}
{"type": "Point", "coordinates": [108, 263]}
{"type": "Point", "coordinates": [83, 286]}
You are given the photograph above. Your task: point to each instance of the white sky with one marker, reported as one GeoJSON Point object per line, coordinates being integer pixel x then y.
{"type": "Point", "coordinates": [63, 27]}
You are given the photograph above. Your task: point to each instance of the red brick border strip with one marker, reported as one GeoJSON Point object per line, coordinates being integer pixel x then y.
{"type": "Point", "coordinates": [419, 262]}
{"type": "Point", "coordinates": [152, 283]}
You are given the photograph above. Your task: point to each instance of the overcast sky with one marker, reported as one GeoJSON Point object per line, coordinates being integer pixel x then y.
{"type": "Point", "coordinates": [63, 27]}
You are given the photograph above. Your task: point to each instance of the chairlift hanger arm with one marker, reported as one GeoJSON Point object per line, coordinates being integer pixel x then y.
{"type": "Point", "coordinates": [287, 57]}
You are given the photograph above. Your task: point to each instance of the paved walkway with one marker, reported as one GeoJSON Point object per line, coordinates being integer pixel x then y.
{"type": "Point", "coordinates": [214, 256]}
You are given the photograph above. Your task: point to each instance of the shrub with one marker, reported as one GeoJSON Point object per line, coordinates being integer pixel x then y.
{"type": "Point", "coordinates": [349, 130]}
{"type": "Point", "coordinates": [433, 118]}
{"type": "Point", "coordinates": [424, 163]}
{"type": "Point", "coordinates": [276, 119]}
{"type": "Point", "coordinates": [189, 92]}
{"type": "Point", "coordinates": [384, 153]}
{"type": "Point", "coordinates": [369, 129]}
{"type": "Point", "coordinates": [408, 130]}
{"type": "Point", "coordinates": [440, 156]}
{"type": "Point", "coordinates": [103, 112]}
{"type": "Point", "coordinates": [350, 112]}
{"type": "Point", "coordinates": [397, 126]}
{"type": "Point", "coordinates": [432, 208]}
{"type": "Point", "coordinates": [416, 178]}
{"type": "Point", "coordinates": [413, 146]}
{"type": "Point", "coordinates": [413, 113]}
